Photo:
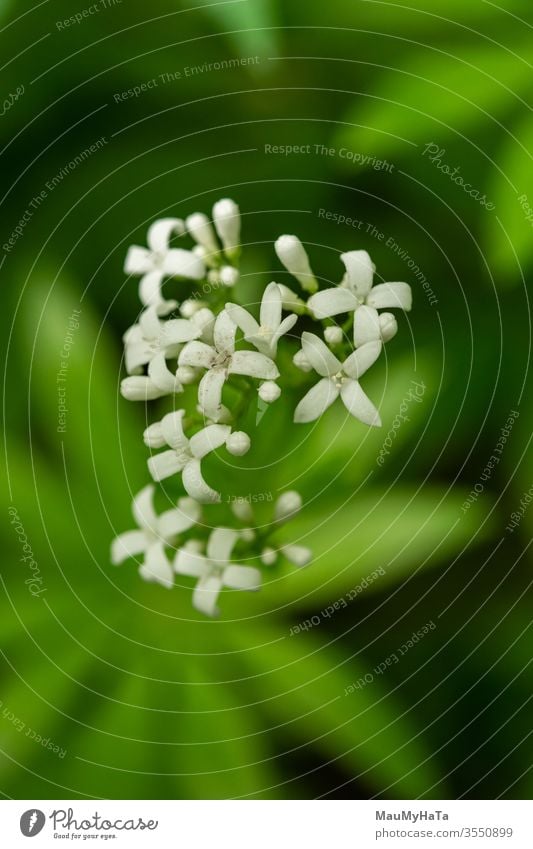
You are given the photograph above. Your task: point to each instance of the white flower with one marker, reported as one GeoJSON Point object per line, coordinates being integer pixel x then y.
{"type": "Point", "coordinates": [185, 454]}
{"type": "Point", "coordinates": [265, 335]}
{"type": "Point", "coordinates": [222, 360]}
{"type": "Point", "coordinates": [227, 220]}
{"type": "Point", "coordinates": [356, 289]}
{"type": "Point", "coordinates": [368, 326]}
{"type": "Point", "coordinates": [293, 256]}
{"type": "Point", "coordinates": [152, 337]}
{"type": "Point", "coordinates": [214, 570]}
{"type": "Point", "coordinates": [338, 379]}
{"type": "Point", "coordinates": [159, 260]}
{"type": "Point", "coordinates": [153, 534]}
{"type": "Point", "coordinates": [200, 228]}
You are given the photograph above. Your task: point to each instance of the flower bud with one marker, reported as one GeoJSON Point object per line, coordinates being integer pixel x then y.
{"type": "Point", "coordinates": [153, 436]}
{"type": "Point", "coordinates": [191, 306]}
{"type": "Point", "coordinates": [202, 232]}
{"type": "Point", "coordinates": [388, 326]}
{"type": "Point", "coordinates": [269, 556]}
{"type": "Point", "coordinates": [238, 443]}
{"type": "Point", "coordinates": [297, 554]}
{"type": "Point", "coordinates": [293, 256]}
{"type": "Point", "coordinates": [333, 335]}
{"type": "Point", "coordinates": [227, 219]}
{"type": "Point", "coordinates": [269, 391]}
{"type": "Point", "coordinates": [301, 361]}
{"type": "Point", "coordinates": [287, 505]}
{"type": "Point", "coordinates": [228, 275]}
{"type": "Point", "coordinates": [186, 374]}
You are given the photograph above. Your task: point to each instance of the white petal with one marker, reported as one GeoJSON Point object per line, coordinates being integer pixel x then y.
{"type": "Point", "coordinates": [190, 563]}
{"type": "Point", "coordinates": [172, 430]}
{"type": "Point", "coordinates": [292, 254]}
{"type": "Point", "coordinates": [197, 355]}
{"type": "Point", "coordinates": [208, 439]}
{"type": "Point", "coordinates": [140, 388]}
{"type": "Point", "coordinates": [164, 465]}
{"type": "Point", "coordinates": [318, 354]}
{"type": "Point", "coordinates": [210, 393]}
{"type": "Point", "coordinates": [149, 321]}
{"type": "Point", "coordinates": [360, 271]}
{"type": "Point", "coordinates": [162, 377]}
{"type": "Point", "coordinates": [204, 320]}
{"type": "Point", "coordinates": [143, 509]}
{"type": "Point", "coordinates": [242, 319]}
{"type": "Point", "coordinates": [390, 295]}
{"type": "Point", "coordinates": [160, 232]}
{"type": "Point", "coordinates": [253, 364]}
{"type": "Point", "coordinates": [332, 302]}
{"type": "Point", "coordinates": [150, 287]}
{"type": "Point", "coordinates": [204, 597]}
{"type": "Point", "coordinates": [297, 554]}
{"type": "Point", "coordinates": [220, 545]}
{"type": "Point", "coordinates": [196, 486]}
{"type": "Point", "coordinates": [179, 519]}
{"type": "Point", "coordinates": [178, 330]}
{"type": "Point", "coordinates": [317, 401]}
{"type": "Point", "coordinates": [137, 354]}
{"type": "Point", "coordinates": [180, 263]}
{"type": "Point", "coordinates": [242, 577]}
{"type": "Point", "coordinates": [156, 566]}
{"type": "Point", "coordinates": [365, 326]}
{"type": "Point", "coordinates": [200, 228]}
{"type": "Point", "coordinates": [286, 325]}
{"type": "Point", "coordinates": [126, 545]}
{"type": "Point", "coordinates": [270, 310]}
{"type": "Point", "coordinates": [138, 261]}
{"type": "Point", "coordinates": [224, 333]}
{"type": "Point", "coordinates": [227, 220]}
{"type": "Point", "coordinates": [362, 358]}
{"type": "Point", "coordinates": [388, 326]}
{"type": "Point", "coordinates": [358, 404]}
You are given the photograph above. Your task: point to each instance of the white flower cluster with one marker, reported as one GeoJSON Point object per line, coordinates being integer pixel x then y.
{"type": "Point", "coordinates": [216, 342]}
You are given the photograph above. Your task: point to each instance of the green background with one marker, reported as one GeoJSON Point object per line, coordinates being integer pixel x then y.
{"type": "Point", "coordinates": [147, 698]}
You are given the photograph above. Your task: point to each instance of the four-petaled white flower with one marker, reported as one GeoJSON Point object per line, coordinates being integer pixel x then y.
{"type": "Point", "coordinates": [338, 379]}
{"type": "Point", "coordinates": [222, 360]}
{"type": "Point", "coordinates": [153, 534]}
{"type": "Point", "coordinates": [152, 337]}
{"type": "Point", "coordinates": [215, 571]}
{"type": "Point", "coordinates": [265, 335]}
{"type": "Point", "coordinates": [356, 289]}
{"type": "Point", "coordinates": [159, 260]}
{"type": "Point", "coordinates": [184, 455]}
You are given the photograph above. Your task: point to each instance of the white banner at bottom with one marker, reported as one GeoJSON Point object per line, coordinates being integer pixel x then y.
{"type": "Point", "coordinates": [267, 824]}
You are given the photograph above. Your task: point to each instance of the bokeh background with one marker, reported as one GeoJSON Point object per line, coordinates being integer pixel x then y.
{"type": "Point", "coordinates": [142, 697]}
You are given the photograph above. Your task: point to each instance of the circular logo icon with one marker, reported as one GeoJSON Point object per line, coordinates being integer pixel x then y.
{"type": "Point", "coordinates": [32, 822]}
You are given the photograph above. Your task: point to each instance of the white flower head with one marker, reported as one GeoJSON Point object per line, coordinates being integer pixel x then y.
{"type": "Point", "coordinates": [338, 379]}
{"type": "Point", "coordinates": [293, 256]}
{"type": "Point", "coordinates": [356, 289]}
{"type": "Point", "coordinates": [159, 260]}
{"type": "Point", "coordinates": [222, 360]}
{"type": "Point", "coordinates": [265, 335]}
{"type": "Point", "coordinates": [215, 571]}
{"type": "Point", "coordinates": [184, 454]}
{"type": "Point", "coordinates": [151, 336]}
{"type": "Point", "coordinates": [153, 534]}
{"type": "Point", "coordinates": [227, 220]}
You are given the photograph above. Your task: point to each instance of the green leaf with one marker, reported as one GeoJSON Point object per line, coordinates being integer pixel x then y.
{"type": "Point", "coordinates": [439, 94]}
